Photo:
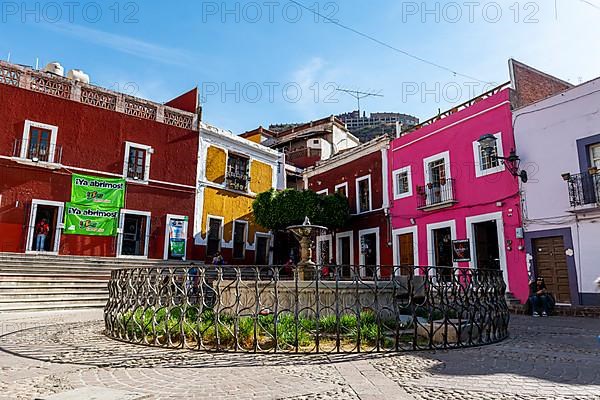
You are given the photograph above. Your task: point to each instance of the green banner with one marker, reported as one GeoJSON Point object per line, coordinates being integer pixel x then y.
{"type": "Point", "coordinates": [92, 221]}
{"type": "Point", "coordinates": [103, 192]}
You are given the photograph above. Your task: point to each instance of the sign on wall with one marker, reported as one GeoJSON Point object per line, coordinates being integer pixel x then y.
{"type": "Point", "coordinates": [461, 250]}
{"type": "Point", "coordinates": [104, 192]}
{"type": "Point", "coordinates": [91, 221]}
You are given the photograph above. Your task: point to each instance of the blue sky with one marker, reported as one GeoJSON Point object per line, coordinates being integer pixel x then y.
{"type": "Point", "coordinates": [262, 62]}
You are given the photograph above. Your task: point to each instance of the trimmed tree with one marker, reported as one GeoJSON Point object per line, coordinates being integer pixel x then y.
{"type": "Point", "coordinates": [276, 210]}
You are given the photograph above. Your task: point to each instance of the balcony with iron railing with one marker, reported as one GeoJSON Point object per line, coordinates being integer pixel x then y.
{"type": "Point", "coordinates": [58, 86]}
{"type": "Point", "coordinates": [584, 189]}
{"type": "Point", "coordinates": [436, 195]}
{"type": "Point", "coordinates": [237, 180]}
{"type": "Point", "coordinates": [42, 152]}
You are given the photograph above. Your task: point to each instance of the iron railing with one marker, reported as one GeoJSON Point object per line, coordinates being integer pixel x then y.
{"type": "Point", "coordinates": [436, 193]}
{"type": "Point", "coordinates": [42, 151]}
{"type": "Point", "coordinates": [269, 309]}
{"type": "Point", "coordinates": [584, 189]}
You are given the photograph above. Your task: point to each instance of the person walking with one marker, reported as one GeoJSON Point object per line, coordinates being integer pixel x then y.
{"type": "Point", "coordinates": [41, 231]}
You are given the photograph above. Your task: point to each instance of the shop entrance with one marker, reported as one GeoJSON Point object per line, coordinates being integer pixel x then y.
{"type": "Point", "coordinates": [442, 242]}
{"type": "Point", "coordinates": [45, 223]}
{"type": "Point", "coordinates": [134, 236]}
{"type": "Point", "coordinates": [487, 250]}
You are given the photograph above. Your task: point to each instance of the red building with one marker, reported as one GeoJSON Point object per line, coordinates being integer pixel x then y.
{"type": "Point", "coordinates": [360, 174]}
{"type": "Point", "coordinates": [53, 127]}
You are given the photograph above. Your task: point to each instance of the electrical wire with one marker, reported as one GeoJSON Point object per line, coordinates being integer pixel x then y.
{"type": "Point", "coordinates": [389, 46]}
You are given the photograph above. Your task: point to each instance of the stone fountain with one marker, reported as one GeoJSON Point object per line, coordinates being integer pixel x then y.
{"type": "Point", "coordinates": [303, 233]}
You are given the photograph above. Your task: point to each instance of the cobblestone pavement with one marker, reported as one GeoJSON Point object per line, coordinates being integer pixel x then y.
{"type": "Point", "coordinates": [50, 353]}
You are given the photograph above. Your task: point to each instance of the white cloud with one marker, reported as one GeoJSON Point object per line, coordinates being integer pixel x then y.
{"type": "Point", "coordinates": [125, 44]}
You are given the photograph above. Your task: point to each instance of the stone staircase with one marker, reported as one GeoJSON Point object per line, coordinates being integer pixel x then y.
{"type": "Point", "coordinates": [43, 282]}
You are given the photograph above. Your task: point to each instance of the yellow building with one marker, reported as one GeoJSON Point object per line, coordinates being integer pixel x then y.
{"type": "Point", "coordinates": [232, 171]}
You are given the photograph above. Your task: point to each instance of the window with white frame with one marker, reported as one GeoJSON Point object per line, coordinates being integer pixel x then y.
{"type": "Point", "coordinates": [363, 194]}
{"type": "Point", "coordinates": [402, 183]}
{"type": "Point", "coordinates": [39, 142]}
{"type": "Point", "coordinates": [342, 189]}
{"type": "Point", "coordinates": [487, 162]}
{"type": "Point", "coordinates": [595, 156]}
{"type": "Point", "coordinates": [238, 173]}
{"type": "Point", "coordinates": [239, 239]}
{"type": "Point", "coordinates": [137, 162]}
{"type": "Point", "coordinates": [323, 192]}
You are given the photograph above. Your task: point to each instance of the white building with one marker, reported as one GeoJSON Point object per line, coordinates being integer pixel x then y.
{"type": "Point", "coordinates": [558, 140]}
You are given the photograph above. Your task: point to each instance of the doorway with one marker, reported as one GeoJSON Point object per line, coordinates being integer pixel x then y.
{"type": "Point", "coordinates": [369, 252]}
{"type": "Point", "coordinates": [135, 228]}
{"type": "Point", "coordinates": [175, 237]}
{"type": "Point", "coordinates": [550, 262]}
{"type": "Point", "coordinates": [442, 245]}
{"type": "Point", "coordinates": [487, 246]}
{"type": "Point", "coordinates": [345, 253]}
{"type": "Point", "coordinates": [52, 214]}
{"type": "Point", "coordinates": [262, 250]}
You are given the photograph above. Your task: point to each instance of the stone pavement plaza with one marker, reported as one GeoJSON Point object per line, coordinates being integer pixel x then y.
{"type": "Point", "coordinates": [49, 355]}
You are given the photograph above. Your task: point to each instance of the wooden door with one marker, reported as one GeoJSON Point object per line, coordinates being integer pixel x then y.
{"type": "Point", "coordinates": [551, 264]}
{"type": "Point", "coordinates": [407, 252]}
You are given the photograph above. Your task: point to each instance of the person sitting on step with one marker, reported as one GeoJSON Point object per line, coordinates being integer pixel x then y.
{"type": "Point", "coordinates": [539, 297]}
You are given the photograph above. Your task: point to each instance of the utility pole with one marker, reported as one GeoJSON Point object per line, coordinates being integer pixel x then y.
{"type": "Point", "coordinates": [358, 95]}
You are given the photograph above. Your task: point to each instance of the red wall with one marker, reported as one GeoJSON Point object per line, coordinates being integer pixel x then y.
{"type": "Point", "coordinates": [94, 139]}
{"type": "Point", "coordinates": [370, 164]}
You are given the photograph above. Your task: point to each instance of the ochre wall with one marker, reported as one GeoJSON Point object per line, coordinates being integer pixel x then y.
{"type": "Point", "coordinates": [216, 162]}
{"type": "Point", "coordinates": [230, 206]}
{"type": "Point", "coordinates": [261, 177]}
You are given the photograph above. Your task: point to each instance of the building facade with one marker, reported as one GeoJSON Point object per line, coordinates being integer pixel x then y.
{"type": "Point", "coordinates": [559, 138]}
{"type": "Point", "coordinates": [55, 127]}
{"type": "Point", "coordinates": [232, 171]}
{"type": "Point", "coordinates": [306, 144]}
{"type": "Point", "coordinates": [360, 175]}
{"type": "Point", "coordinates": [447, 194]}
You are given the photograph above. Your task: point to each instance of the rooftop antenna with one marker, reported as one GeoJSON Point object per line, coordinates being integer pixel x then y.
{"type": "Point", "coordinates": [358, 95]}
{"type": "Point", "coordinates": [37, 63]}
{"type": "Point", "coordinates": [8, 58]}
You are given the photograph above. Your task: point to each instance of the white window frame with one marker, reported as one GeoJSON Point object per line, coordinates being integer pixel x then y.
{"type": "Point", "coordinates": [25, 142]}
{"type": "Point", "coordinates": [445, 155]}
{"type": "Point", "coordinates": [221, 232]}
{"type": "Point", "coordinates": [358, 180]}
{"type": "Point", "coordinates": [338, 253]}
{"type": "Point", "coordinates": [470, 224]}
{"type": "Point", "coordinates": [342, 185]}
{"type": "Point", "coordinates": [186, 225]}
{"type": "Point", "coordinates": [395, 174]}
{"type": "Point", "coordinates": [479, 172]}
{"type": "Point", "coordinates": [323, 192]}
{"type": "Point", "coordinates": [149, 150]}
{"type": "Point", "coordinates": [57, 229]}
{"type": "Point", "coordinates": [320, 240]}
{"type": "Point", "coordinates": [148, 215]}
{"type": "Point", "coordinates": [239, 221]}
{"type": "Point", "coordinates": [430, 242]}
{"type": "Point", "coordinates": [591, 154]}
{"type": "Point", "coordinates": [396, 233]}
{"type": "Point", "coordinates": [361, 260]}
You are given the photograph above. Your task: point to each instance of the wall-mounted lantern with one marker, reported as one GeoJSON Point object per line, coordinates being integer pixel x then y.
{"type": "Point", "coordinates": [512, 162]}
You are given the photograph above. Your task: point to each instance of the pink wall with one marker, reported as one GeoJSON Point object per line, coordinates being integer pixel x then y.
{"type": "Point", "coordinates": [475, 195]}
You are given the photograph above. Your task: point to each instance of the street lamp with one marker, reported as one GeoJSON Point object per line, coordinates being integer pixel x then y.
{"type": "Point", "coordinates": [512, 162]}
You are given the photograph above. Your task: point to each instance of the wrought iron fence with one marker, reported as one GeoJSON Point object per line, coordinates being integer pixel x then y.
{"type": "Point", "coordinates": [268, 309]}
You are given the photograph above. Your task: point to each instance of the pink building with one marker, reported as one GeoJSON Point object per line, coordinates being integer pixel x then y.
{"type": "Point", "coordinates": [452, 204]}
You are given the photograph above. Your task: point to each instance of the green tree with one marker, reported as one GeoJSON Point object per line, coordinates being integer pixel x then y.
{"type": "Point", "coordinates": [276, 210]}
